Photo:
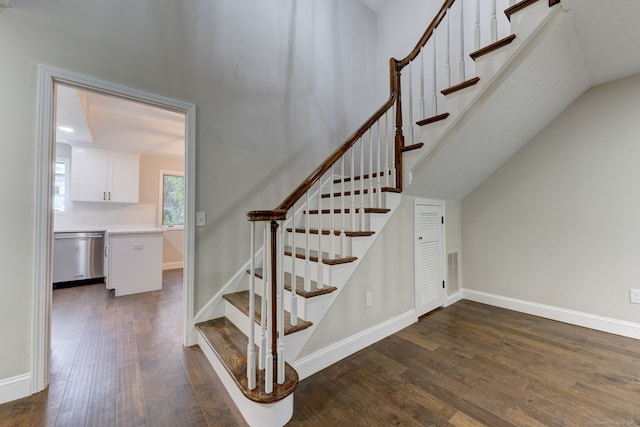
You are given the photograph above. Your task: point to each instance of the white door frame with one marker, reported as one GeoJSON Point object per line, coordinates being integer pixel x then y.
{"type": "Point", "coordinates": [43, 227]}
{"type": "Point", "coordinates": [440, 203]}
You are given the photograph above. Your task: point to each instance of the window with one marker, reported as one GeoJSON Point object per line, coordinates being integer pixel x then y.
{"type": "Point", "coordinates": [172, 198]}
{"type": "Point", "coordinates": [61, 186]}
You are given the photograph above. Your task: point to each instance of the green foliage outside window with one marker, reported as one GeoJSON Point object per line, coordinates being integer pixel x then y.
{"type": "Point", "coordinates": [173, 200]}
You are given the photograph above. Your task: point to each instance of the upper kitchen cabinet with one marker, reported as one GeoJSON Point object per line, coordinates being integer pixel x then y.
{"type": "Point", "coordinates": [104, 176]}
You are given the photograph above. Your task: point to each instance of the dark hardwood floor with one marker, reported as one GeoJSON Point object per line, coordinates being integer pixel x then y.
{"type": "Point", "coordinates": [119, 361]}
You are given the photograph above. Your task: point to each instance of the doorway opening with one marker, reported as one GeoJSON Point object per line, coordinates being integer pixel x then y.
{"type": "Point", "coordinates": [51, 181]}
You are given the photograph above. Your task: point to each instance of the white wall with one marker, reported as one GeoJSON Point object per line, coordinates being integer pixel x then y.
{"type": "Point", "coordinates": [271, 105]}
{"type": "Point", "coordinates": [558, 224]}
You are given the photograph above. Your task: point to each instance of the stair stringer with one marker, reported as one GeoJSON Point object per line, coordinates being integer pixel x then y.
{"type": "Point", "coordinates": [530, 27]}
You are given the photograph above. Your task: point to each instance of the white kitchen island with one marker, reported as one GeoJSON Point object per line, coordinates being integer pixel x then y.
{"type": "Point", "coordinates": [134, 260]}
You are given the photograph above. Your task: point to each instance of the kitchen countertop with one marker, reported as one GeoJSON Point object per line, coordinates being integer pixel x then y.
{"type": "Point", "coordinates": [112, 230]}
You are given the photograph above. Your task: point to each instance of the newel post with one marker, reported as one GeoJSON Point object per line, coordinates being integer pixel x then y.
{"type": "Point", "coordinates": [396, 75]}
{"type": "Point", "coordinates": [274, 295]}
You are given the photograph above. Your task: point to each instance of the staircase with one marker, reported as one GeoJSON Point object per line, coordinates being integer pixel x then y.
{"type": "Point", "coordinates": [305, 250]}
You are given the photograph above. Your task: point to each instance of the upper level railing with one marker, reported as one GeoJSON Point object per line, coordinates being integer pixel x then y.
{"type": "Point", "coordinates": [354, 178]}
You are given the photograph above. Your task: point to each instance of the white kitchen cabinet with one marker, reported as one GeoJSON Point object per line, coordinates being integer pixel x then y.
{"type": "Point", "coordinates": [134, 261]}
{"type": "Point", "coordinates": [104, 176]}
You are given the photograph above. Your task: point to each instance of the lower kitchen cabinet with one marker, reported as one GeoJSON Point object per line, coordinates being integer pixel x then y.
{"type": "Point", "coordinates": [134, 261]}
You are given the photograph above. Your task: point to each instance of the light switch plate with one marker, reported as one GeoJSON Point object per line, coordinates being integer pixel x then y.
{"type": "Point", "coordinates": [201, 219]}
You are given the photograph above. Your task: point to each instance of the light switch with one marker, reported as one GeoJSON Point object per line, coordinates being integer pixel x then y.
{"type": "Point", "coordinates": [201, 219]}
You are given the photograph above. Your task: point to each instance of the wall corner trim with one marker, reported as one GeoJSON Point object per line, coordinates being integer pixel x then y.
{"type": "Point", "coordinates": [309, 365]}
{"type": "Point", "coordinates": [15, 388]}
{"type": "Point", "coordinates": [578, 318]}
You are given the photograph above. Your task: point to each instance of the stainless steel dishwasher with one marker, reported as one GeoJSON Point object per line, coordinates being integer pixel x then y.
{"type": "Point", "coordinates": [78, 256]}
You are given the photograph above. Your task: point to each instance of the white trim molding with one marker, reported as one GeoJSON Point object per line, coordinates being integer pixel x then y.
{"type": "Point", "coordinates": [15, 388]}
{"type": "Point", "coordinates": [172, 265]}
{"type": "Point", "coordinates": [48, 77]}
{"type": "Point", "coordinates": [315, 362]}
{"type": "Point", "coordinates": [578, 318]}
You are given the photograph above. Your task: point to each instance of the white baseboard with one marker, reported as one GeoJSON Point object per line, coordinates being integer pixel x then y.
{"type": "Point", "coordinates": [15, 388]}
{"type": "Point", "coordinates": [591, 321]}
{"type": "Point", "coordinates": [321, 359]}
{"type": "Point", "coordinates": [172, 265]}
{"type": "Point", "coordinates": [452, 299]}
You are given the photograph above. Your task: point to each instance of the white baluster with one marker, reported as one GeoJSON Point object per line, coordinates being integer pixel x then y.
{"type": "Point", "coordinates": [332, 215]}
{"type": "Point", "coordinates": [434, 81]}
{"type": "Point", "coordinates": [447, 45]}
{"type": "Point", "coordinates": [387, 136]}
{"type": "Point", "coordinates": [343, 215]}
{"type": "Point", "coordinates": [353, 188]}
{"type": "Point", "coordinates": [251, 347]}
{"type": "Point", "coordinates": [265, 287]}
{"type": "Point", "coordinates": [362, 168]}
{"type": "Point", "coordinates": [494, 22]}
{"type": "Point", "coordinates": [294, 294]}
{"type": "Point", "coordinates": [476, 38]}
{"type": "Point", "coordinates": [371, 177]}
{"type": "Point", "coordinates": [461, 64]}
{"type": "Point", "coordinates": [422, 100]}
{"type": "Point", "coordinates": [320, 284]}
{"type": "Point", "coordinates": [379, 165]}
{"type": "Point", "coordinates": [280, 305]}
{"type": "Point", "coordinates": [411, 120]}
{"type": "Point", "coordinates": [307, 262]}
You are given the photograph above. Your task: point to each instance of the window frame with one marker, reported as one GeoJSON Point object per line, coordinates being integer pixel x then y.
{"type": "Point", "coordinates": [67, 182]}
{"type": "Point", "coordinates": [162, 174]}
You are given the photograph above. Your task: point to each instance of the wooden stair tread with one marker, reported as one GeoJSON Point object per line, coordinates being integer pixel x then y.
{"type": "Point", "coordinates": [460, 86]}
{"type": "Point", "coordinates": [432, 119]}
{"type": "Point", "coordinates": [313, 256]}
{"type": "Point", "coordinates": [366, 191]}
{"type": "Point", "coordinates": [412, 147]}
{"type": "Point", "coordinates": [230, 346]}
{"type": "Point", "coordinates": [521, 5]}
{"type": "Point", "coordinates": [492, 47]}
{"type": "Point", "coordinates": [314, 292]}
{"type": "Point", "coordinates": [335, 232]}
{"type": "Point", "coordinates": [346, 211]}
{"type": "Point", "coordinates": [240, 300]}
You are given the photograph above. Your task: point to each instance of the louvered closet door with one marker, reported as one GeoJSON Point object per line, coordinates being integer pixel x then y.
{"type": "Point", "coordinates": [429, 258]}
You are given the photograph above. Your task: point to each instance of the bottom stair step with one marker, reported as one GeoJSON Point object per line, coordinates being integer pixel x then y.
{"type": "Point", "coordinates": [230, 346]}
{"type": "Point", "coordinates": [241, 301]}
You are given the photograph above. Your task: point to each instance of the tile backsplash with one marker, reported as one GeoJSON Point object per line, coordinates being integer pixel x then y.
{"type": "Point", "coordinates": [106, 214]}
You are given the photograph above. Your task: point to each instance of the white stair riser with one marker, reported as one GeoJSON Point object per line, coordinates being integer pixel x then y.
{"type": "Point", "coordinates": [301, 302]}
{"type": "Point", "coordinates": [313, 268]}
{"type": "Point", "coordinates": [314, 243]}
{"type": "Point", "coordinates": [241, 321]}
{"type": "Point", "coordinates": [525, 22]}
{"type": "Point", "coordinates": [351, 201]}
{"type": "Point", "coordinates": [370, 221]}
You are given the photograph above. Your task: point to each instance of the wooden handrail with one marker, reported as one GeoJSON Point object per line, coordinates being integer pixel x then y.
{"type": "Point", "coordinates": [427, 34]}
{"type": "Point", "coordinates": [395, 67]}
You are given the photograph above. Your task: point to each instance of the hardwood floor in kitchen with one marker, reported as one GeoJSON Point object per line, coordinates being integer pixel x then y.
{"type": "Point", "coordinates": [120, 362]}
